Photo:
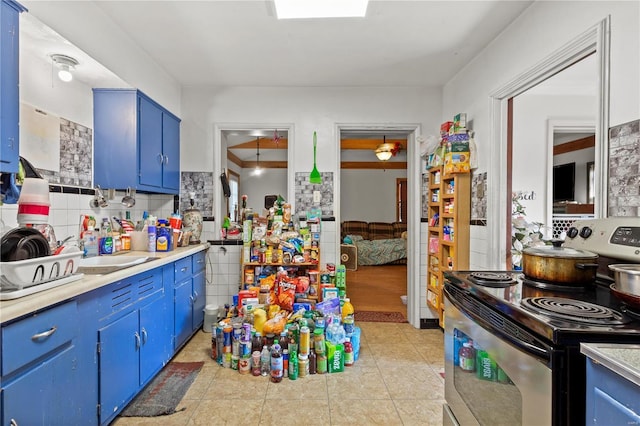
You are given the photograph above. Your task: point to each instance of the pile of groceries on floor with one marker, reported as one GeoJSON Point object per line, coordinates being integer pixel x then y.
{"type": "Point", "coordinates": [282, 338]}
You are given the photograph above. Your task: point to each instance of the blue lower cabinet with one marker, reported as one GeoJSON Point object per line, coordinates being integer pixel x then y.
{"type": "Point", "coordinates": [44, 395]}
{"type": "Point", "coordinates": [611, 399]}
{"type": "Point", "coordinates": [199, 300]}
{"type": "Point", "coordinates": [189, 301]}
{"type": "Point", "coordinates": [119, 345]}
{"type": "Point", "coordinates": [155, 335]}
{"type": "Point", "coordinates": [132, 350]}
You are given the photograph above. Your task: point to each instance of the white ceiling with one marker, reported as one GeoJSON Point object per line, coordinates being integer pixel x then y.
{"type": "Point", "coordinates": [241, 43]}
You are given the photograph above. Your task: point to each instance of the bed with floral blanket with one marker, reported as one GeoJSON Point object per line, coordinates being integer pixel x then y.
{"type": "Point", "coordinates": [379, 252]}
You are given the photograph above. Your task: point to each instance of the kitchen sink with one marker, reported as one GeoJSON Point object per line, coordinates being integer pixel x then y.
{"type": "Point", "coordinates": [107, 264]}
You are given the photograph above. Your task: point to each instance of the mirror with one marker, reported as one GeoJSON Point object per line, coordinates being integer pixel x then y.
{"type": "Point", "coordinates": [554, 137]}
{"type": "Point", "coordinates": [257, 159]}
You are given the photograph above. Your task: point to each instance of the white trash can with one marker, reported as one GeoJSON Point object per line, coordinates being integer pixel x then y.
{"type": "Point", "coordinates": [210, 317]}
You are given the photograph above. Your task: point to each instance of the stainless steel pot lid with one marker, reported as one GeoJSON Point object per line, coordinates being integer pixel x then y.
{"type": "Point", "coordinates": [560, 252]}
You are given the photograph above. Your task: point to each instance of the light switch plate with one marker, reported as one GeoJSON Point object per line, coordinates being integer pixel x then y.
{"type": "Point", "coordinates": [316, 196]}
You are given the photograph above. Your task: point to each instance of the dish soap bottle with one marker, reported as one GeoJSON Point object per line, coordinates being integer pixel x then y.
{"type": "Point", "coordinates": [90, 242]}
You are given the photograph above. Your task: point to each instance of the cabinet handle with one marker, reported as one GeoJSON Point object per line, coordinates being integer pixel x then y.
{"type": "Point", "coordinates": [13, 422]}
{"type": "Point", "coordinates": [44, 333]}
{"type": "Point", "coordinates": [183, 269]}
{"type": "Point", "coordinates": [161, 157]}
{"type": "Point", "coordinates": [192, 299]}
{"type": "Point", "coordinates": [195, 294]}
{"type": "Point", "coordinates": [11, 140]}
{"type": "Point", "coordinates": [144, 336]}
{"type": "Point", "coordinates": [137, 336]}
{"type": "Point", "coordinates": [166, 159]}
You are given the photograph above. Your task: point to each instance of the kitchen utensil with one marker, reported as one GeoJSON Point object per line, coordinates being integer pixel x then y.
{"type": "Point", "coordinates": [11, 239]}
{"type": "Point", "coordinates": [99, 201]}
{"type": "Point", "coordinates": [630, 299]}
{"type": "Point", "coordinates": [128, 200]}
{"type": "Point", "coordinates": [627, 277]}
{"type": "Point", "coordinates": [33, 204]}
{"type": "Point", "coordinates": [315, 177]}
{"type": "Point", "coordinates": [31, 247]}
{"type": "Point", "coordinates": [559, 264]}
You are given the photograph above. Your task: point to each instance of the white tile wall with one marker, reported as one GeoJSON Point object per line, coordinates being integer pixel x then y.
{"type": "Point", "coordinates": [223, 274]}
{"type": "Point", "coordinates": [65, 210]}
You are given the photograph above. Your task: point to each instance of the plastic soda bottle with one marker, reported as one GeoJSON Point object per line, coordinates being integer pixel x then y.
{"type": "Point", "coordinates": [277, 363]}
{"type": "Point", "coordinates": [265, 361]}
{"type": "Point", "coordinates": [347, 308]}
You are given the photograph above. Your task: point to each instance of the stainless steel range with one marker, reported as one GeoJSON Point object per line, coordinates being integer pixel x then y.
{"type": "Point", "coordinates": [512, 344]}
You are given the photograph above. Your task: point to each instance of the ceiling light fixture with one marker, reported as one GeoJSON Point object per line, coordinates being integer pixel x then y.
{"type": "Point", "coordinates": [301, 9]}
{"type": "Point", "coordinates": [384, 150]}
{"type": "Point", "coordinates": [65, 65]}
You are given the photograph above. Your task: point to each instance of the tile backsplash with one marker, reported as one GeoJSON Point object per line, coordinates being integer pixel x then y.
{"type": "Point", "coordinates": [65, 210]}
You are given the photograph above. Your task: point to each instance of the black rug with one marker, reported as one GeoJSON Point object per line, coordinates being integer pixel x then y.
{"type": "Point", "coordinates": [166, 390]}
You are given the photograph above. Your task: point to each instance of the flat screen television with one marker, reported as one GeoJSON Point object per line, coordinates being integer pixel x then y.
{"type": "Point", "coordinates": [564, 182]}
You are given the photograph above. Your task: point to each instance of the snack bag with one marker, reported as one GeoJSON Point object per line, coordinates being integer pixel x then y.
{"type": "Point", "coordinates": [286, 294]}
{"type": "Point", "coordinates": [456, 158]}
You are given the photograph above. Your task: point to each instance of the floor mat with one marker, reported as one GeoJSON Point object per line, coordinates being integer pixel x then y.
{"type": "Point", "coordinates": [166, 390]}
{"type": "Point", "coordinates": [371, 316]}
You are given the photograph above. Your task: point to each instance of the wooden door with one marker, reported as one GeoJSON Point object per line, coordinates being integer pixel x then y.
{"type": "Point", "coordinates": [401, 200]}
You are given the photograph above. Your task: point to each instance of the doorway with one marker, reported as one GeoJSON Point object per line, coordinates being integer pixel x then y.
{"type": "Point", "coordinates": [411, 201]}
{"type": "Point", "coordinates": [594, 41]}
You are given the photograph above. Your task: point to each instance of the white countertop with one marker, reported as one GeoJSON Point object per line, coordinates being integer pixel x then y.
{"type": "Point", "coordinates": [11, 309]}
{"type": "Point", "coordinates": [621, 359]}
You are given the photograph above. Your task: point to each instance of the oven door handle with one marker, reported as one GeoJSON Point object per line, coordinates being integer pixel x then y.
{"type": "Point", "coordinates": [539, 349]}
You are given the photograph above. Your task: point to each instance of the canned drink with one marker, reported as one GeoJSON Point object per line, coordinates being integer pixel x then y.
{"type": "Point", "coordinates": [234, 362]}
{"type": "Point", "coordinates": [235, 348]}
{"type": "Point", "coordinates": [245, 349]}
{"type": "Point", "coordinates": [226, 360]}
{"type": "Point", "coordinates": [227, 335]}
{"type": "Point", "coordinates": [244, 365]}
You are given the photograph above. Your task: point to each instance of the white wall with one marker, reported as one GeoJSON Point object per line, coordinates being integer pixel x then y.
{"type": "Point", "coordinates": [369, 195]}
{"type": "Point", "coordinates": [269, 182]}
{"type": "Point", "coordinates": [538, 32]}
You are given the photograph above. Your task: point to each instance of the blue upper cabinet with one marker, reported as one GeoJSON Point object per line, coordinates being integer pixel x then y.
{"type": "Point", "coordinates": [9, 89]}
{"type": "Point", "coordinates": [136, 142]}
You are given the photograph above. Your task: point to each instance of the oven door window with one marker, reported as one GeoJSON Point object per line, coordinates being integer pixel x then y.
{"type": "Point", "coordinates": [486, 389]}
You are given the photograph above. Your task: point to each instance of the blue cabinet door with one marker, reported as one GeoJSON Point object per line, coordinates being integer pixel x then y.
{"type": "Point", "coordinates": [150, 156]}
{"type": "Point", "coordinates": [9, 88]}
{"type": "Point", "coordinates": [118, 365]}
{"type": "Point", "coordinates": [199, 300]}
{"type": "Point", "coordinates": [45, 395]}
{"type": "Point", "coordinates": [171, 150]}
{"type": "Point", "coordinates": [183, 308]}
{"type": "Point", "coordinates": [155, 349]}
{"type": "Point", "coordinates": [611, 398]}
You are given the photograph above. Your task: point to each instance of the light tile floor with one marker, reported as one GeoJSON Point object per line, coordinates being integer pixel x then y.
{"type": "Point", "coordinates": [396, 381]}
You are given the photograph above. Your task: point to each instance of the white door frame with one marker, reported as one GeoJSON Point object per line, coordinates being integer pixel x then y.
{"type": "Point", "coordinates": [413, 205]}
{"type": "Point", "coordinates": [595, 40]}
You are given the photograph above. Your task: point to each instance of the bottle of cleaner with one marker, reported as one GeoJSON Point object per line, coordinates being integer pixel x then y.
{"type": "Point", "coordinates": [90, 241]}
{"type": "Point", "coordinates": [151, 230]}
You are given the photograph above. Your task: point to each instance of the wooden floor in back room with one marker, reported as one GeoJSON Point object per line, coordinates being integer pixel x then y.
{"type": "Point", "coordinates": [378, 288]}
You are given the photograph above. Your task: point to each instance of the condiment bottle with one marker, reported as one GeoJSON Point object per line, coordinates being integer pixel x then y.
{"type": "Point", "coordinates": [312, 361]}
{"type": "Point", "coordinates": [305, 340]}
{"type": "Point", "coordinates": [321, 363]}
{"type": "Point", "coordinates": [318, 341]}
{"type": "Point", "coordinates": [303, 365]}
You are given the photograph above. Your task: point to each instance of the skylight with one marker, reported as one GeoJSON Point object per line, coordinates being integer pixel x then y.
{"type": "Point", "coordinates": [301, 9]}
